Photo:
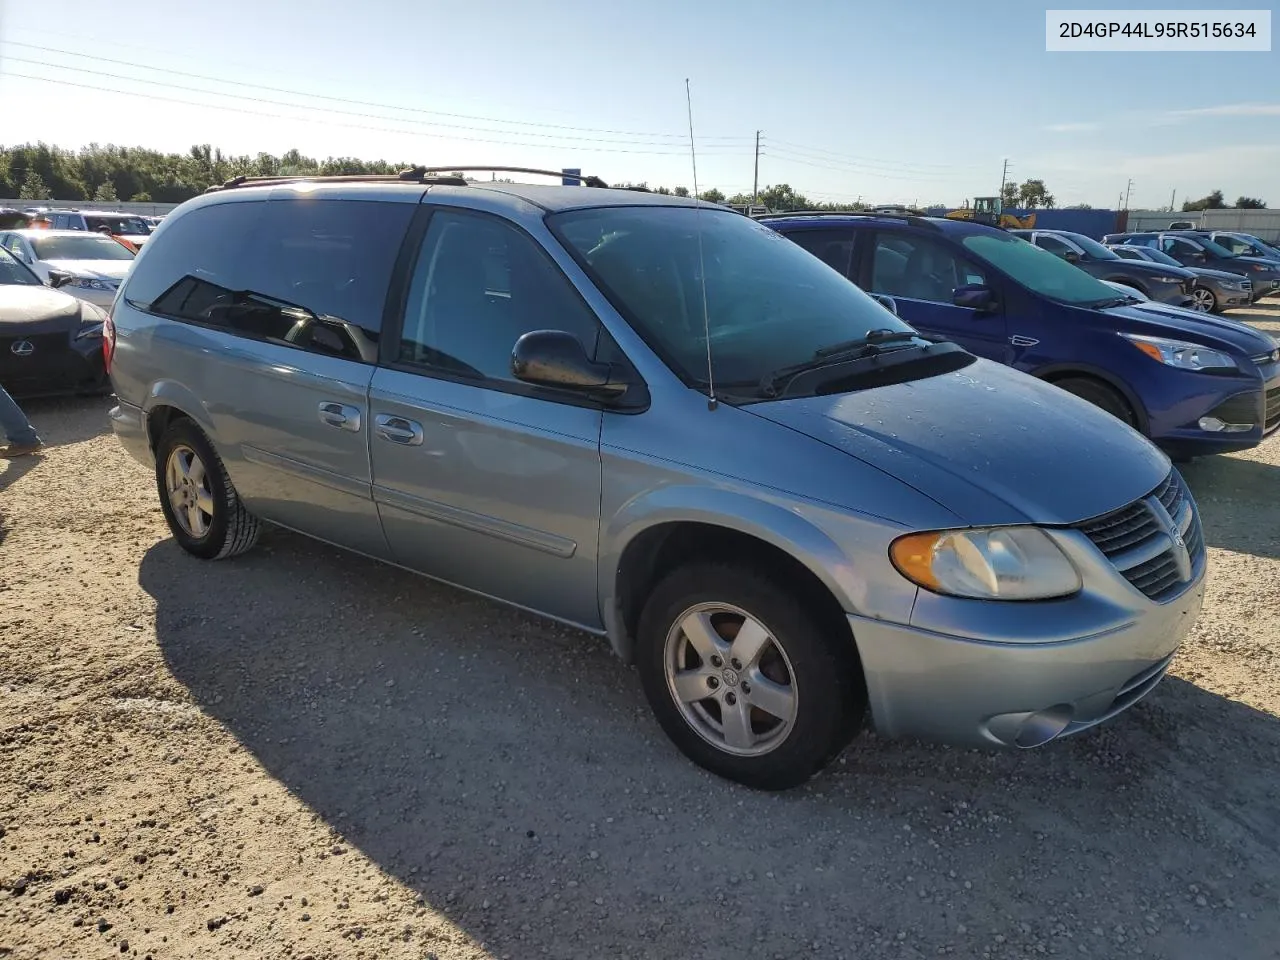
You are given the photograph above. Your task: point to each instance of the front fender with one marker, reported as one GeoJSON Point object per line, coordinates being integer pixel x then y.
{"type": "Point", "coordinates": [767, 521]}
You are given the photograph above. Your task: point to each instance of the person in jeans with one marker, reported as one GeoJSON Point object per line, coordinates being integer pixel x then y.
{"type": "Point", "coordinates": [16, 428]}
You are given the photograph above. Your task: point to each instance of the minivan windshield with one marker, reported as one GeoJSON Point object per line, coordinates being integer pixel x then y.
{"type": "Point", "coordinates": [1038, 270]}
{"type": "Point", "coordinates": [64, 246]}
{"type": "Point", "coordinates": [769, 302]}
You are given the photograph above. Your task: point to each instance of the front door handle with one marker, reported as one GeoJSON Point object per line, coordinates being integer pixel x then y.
{"type": "Point", "coordinates": [398, 429]}
{"type": "Point", "coordinates": [340, 415]}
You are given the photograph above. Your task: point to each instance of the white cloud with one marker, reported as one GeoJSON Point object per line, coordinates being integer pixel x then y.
{"type": "Point", "coordinates": [1223, 110]}
{"type": "Point", "coordinates": [1071, 127]}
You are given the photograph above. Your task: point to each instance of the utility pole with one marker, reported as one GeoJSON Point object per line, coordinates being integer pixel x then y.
{"type": "Point", "coordinates": [1126, 193]}
{"type": "Point", "coordinates": [1004, 176]}
{"type": "Point", "coordinates": [1173, 199]}
{"type": "Point", "coordinates": [755, 180]}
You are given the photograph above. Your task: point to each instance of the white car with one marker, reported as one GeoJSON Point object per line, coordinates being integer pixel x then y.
{"type": "Point", "coordinates": [95, 262]}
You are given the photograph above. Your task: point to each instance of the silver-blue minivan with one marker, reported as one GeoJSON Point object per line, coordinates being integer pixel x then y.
{"type": "Point", "coordinates": [666, 424]}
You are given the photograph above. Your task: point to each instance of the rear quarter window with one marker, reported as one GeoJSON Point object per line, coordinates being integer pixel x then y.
{"type": "Point", "coordinates": [331, 257]}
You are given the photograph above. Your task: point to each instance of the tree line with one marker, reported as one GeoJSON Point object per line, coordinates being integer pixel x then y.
{"type": "Point", "coordinates": [114, 173]}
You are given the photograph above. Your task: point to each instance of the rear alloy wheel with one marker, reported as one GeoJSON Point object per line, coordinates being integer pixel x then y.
{"type": "Point", "coordinates": [202, 507]}
{"type": "Point", "coordinates": [1101, 396]}
{"type": "Point", "coordinates": [1203, 300]}
{"type": "Point", "coordinates": [743, 679]}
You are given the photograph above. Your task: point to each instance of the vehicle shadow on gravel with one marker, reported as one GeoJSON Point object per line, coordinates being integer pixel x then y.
{"type": "Point", "coordinates": [1238, 502]}
{"type": "Point", "coordinates": [65, 420]}
{"type": "Point", "coordinates": [509, 771]}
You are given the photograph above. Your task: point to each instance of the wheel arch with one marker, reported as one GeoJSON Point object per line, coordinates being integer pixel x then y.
{"type": "Point", "coordinates": [674, 526]}
{"type": "Point", "coordinates": [167, 401]}
{"type": "Point", "coordinates": [1063, 371]}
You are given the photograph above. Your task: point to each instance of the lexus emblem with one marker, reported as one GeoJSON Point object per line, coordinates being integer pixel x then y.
{"type": "Point", "coordinates": [22, 348]}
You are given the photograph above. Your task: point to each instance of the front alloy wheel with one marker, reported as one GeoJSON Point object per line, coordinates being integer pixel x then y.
{"type": "Point", "coordinates": [187, 484]}
{"type": "Point", "coordinates": [731, 679]}
{"type": "Point", "coordinates": [753, 677]}
{"type": "Point", "coordinates": [1203, 300]}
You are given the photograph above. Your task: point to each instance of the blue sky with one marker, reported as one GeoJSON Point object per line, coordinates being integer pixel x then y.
{"type": "Point", "coordinates": [911, 101]}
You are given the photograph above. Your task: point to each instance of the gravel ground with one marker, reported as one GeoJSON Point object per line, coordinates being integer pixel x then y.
{"type": "Point", "coordinates": [301, 753]}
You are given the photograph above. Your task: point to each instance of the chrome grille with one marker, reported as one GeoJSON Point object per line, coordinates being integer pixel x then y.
{"type": "Point", "coordinates": [1141, 545]}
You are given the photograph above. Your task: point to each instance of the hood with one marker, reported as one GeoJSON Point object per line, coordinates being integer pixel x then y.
{"type": "Point", "coordinates": [990, 444]}
{"type": "Point", "coordinates": [98, 269]}
{"type": "Point", "coordinates": [1143, 268]}
{"type": "Point", "coordinates": [1217, 274]}
{"type": "Point", "coordinates": [32, 304]}
{"type": "Point", "coordinates": [1162, 320]}
{"type": "Point", "coordinates": [1272, 265]}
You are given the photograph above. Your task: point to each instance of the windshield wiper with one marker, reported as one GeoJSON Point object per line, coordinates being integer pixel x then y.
{"type": "Point", "coordinates": [858, 349]}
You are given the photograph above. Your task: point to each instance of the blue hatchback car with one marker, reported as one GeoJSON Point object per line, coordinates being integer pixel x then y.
{"type": "Point", "coordinates": [1192, 383]}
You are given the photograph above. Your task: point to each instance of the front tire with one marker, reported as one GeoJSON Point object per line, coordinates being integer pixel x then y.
{"type": "Point", "coordinates": [1101, 396]}
{"type": "Point", "coordinates": [1204, 301]}
{"type": "Point", "coordinates": [200, 503]}
{"type": "Point", "coordinates": [744, 679]}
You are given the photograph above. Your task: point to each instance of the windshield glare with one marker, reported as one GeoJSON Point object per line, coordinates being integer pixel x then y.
{"type": "Point", "coordinates": [68, 247]}
{"type": "Point", "coordinates": [1159, 256]}
{"type": "Point", "coordinates": [13, 273]}
{"type": "Point", "coordinates": [1038, 270]}
{"type": "Point", "coordinates": [769, 302]}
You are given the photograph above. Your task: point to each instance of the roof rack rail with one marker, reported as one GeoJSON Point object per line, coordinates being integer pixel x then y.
{"type": "Point", "coordinates": [916, 220]}
{"type": "Point", "coordinates": [437, 176]}
{"type": "Point", "coordinates": [586, 181]}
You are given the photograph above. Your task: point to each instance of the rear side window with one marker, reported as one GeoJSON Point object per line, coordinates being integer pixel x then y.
{"type": "Point", "coordinates": [310, 274]}
{"type": "Point", "coordinates": [832, 247]}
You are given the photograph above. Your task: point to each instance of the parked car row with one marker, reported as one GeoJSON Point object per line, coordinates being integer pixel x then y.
{"type": "Point", "coordinates": [1193, 383]}
{"type": "Point", "coordinates": [1201, 249]}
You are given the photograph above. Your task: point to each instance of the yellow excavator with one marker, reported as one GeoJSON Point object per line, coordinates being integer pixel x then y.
{"type": "Point", "coordinates": [987, 210]}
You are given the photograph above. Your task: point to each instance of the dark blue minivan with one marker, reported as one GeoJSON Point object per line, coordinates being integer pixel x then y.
{"type": "Point", "coordinates": [1195, 384]}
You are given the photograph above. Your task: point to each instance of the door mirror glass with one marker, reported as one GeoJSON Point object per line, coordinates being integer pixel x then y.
{"type": "Point", "coordinates": [59, 278]}
{"type": "Point", "coordinates": [887, 302]}
{"type": "Point", "coordinates": [974, 296]}
{"type": "Point", "coordinates": [556, 358]}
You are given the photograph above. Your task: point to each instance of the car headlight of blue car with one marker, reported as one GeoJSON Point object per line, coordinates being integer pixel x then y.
{"type": "Point", "coordinates": [993, 563]}
{"type": "Point", "coordinates": [1180, 354]}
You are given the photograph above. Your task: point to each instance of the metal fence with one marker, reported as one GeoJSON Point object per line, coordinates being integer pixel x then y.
{"type": "Point", "coordinates": [1263, 224]}
{"type": "Point", "coordinates": [147, 209]}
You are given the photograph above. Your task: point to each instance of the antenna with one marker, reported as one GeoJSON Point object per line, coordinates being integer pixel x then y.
{"type": "Point", "coordinates": [702, 264]}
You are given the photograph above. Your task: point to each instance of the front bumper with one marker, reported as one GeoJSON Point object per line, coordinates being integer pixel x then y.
{"type": "Point", "coordinates": [1268, 287]}
{"type": "Point", "coordinates": [75, 369]}
{"type": "Point", "coordinates": [1240, 401]}
{"type": "Point", "coordinates": [976, 693]}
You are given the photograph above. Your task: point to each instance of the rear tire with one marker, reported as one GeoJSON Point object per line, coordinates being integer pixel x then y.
{"type": "Point", "coordinates": [1100, 395]}
{"type": "Point", "coordinates": [200, 503]}
{"type": "Point", "coordinates": [743, 679]}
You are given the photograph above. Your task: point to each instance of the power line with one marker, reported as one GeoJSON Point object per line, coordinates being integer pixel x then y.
{"type": "Point", "coordinates": [353, 126]}
{"type": "Point", "coordinates": [869, 161]}
{"type": "Point", "coordinates": [324, 96]}
{"type": "Point", "coordinates": [320, 96]}
{"type": "Point", "coordinates": [349, 113]}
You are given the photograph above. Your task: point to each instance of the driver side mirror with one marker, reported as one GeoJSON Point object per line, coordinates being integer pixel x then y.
{"type": "Point", "coordinates": [556, 358]}
{"type": "Point", "coordinates": [886, 301]}
{"type": "Point", "coordinates": [59, 278]}
{"type": "Point", "coordinates": [974, 296]}
{"type": "Point", "coordinates": [1071, 256]}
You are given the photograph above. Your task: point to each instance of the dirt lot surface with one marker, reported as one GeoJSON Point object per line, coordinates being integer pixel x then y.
{"type": "Point", "coordinates": [301, 753]}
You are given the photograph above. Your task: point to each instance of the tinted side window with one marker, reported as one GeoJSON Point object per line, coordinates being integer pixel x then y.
{"type": "Point", "coordinates": [333, 257]}
{"type": "Point", "coordinates": [919, 268]}
{"type": "Point", "coordinates": [478, 286]}
{"type": "Point", "coordinates": [1053, 245]}
{"type": "Point", "coordinates": [832, 247]}
{"type": "Point", "coordinates": [203, 247]}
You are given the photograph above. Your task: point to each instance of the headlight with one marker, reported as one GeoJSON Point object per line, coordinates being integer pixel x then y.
{"type": "Point", "coordinates": [1168, 279]}
{"type": "Point", "coordinates": [1176, 353]}
{"type": "Point", "coordinates": [90, 283]}
{"type": "Point", "coordinates": [1235, 284]}
{"type": "Point", "coordinates": [1255, 267]}
{"type": "Point", "coordinates": [994, 563]}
